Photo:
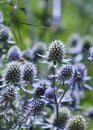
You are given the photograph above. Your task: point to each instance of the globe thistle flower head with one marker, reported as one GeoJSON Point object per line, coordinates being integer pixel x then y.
{"type": "Point", "coordinates": [77, 123]}
{"type": "Point", "coordinates": [39, 91]}
{"type": "Point", "coordinates": [80, 69]}
{"type": "Point", "coordinates": [66, 72]}
{"type": "Point", "coordinates": [56, 51]}
{"type": "Point", "coordinates": [80, 77]}
{"type": "Point", "coordinates": [9, 94]}
{"type": "Point", "coordinates": [35, 106]}
{"type": "Point", "coordinates": [29, 72]}
{"type": "Point", "coordinates": [14, 53]}
{"type": "Point", "coordinates": [64, 116]}
{"type": "Point", "coordinates": [50, 93]}
{"type": "Point", "coordinates": [87, 40]}
{"type": "Point", "coordinates": [4, 34]}
{"type": "Point", "coordinates": [28, 55]}
{"type": "Point", "coordinates": [76, 43]}
{"type": "Point", "coordinates": [38, 50]}
{"type": "Point", "coordinates": [13, 72]}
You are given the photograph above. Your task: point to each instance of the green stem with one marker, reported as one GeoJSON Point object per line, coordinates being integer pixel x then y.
{"type": "Point", "coordinates": [56, 94]}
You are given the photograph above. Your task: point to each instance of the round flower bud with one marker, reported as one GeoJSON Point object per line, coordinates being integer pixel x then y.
{"type": "Point", "coordinates": [77, 123]}
{"type": "Point", "coordinates": [14, 53]}
{"type": "Point", "coordinates": [4, 34]}
{"type": "Point", "coordinates": [13, 72]}
{"type": "Point", "coordinates": [29, 72]}
{"type": "Point", "coordinates": [65, 72]}
{"type": "Point", "coordinates": [55, 51]}
{"type": "Point", "coordinates": [64, 115]}
{"type": "Point", "coordinates": [35, 106]}
{"type": "Point", "coordinates": [39, 91]}
{"type": "Point", "coordinates": [39, 48]}
{"type": "Point", "coordinates": [50, 93]}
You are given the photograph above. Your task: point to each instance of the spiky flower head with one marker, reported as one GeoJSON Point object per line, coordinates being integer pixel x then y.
{"type": "Point", "coordinates": [56, 51]}
{"type": "Point", "coordinates": [65, 73]}
{"type": "Point", "coordinates": [28, 55]}
{"type": "Point", "coordinates": [77, 123]}
{"type": "Point", "coordinates": [80, 69]}
{"type": "Point", "coordinates": [9, 94]}
{"type": "Point", "coordinates": [29, 72]}
{"type": "Point", "coordinates": [64, 116]}
{"type": "Point", "coordinates": [35, 106]}
{"type": "Point", "coordinates": [75, 40]}
{"type": "Point", "coordinates": [88, 40]}
{"type": "Point", "coordinates": [38, 49]}
{"type": "Point", "coordinates": [50, 93]}
{"type": "Point", "coordinates": [4, 34]}
{"type": "Point", "coordinates": [14, 53]}
{"type": "Point", "coordinates": [13, 72]}
{"type": "Point", "coordinates": [39, 91]}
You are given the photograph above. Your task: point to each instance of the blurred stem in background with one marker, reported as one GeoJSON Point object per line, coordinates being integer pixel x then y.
{"type": "Point", "coordinates": [56, 16]}
{"type": "Point", "coordinates": [30, 18]}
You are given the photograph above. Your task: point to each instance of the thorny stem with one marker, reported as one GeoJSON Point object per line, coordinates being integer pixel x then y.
{"type": "Point", "coordinates": [55, 98]}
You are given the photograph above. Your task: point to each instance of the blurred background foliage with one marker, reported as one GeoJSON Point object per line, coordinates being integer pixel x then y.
{"type": "Point", "coordinates": [33, 20]}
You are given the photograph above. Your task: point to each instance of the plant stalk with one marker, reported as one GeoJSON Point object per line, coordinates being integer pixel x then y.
{"type": "Point", "coordinates": [56, 94]}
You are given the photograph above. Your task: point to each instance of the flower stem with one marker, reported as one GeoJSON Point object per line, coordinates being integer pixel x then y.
{"type": "Point", "coordinates": [56, 94]}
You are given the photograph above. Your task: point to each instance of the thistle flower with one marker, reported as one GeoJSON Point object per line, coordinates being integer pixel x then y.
{"type": "Point", "coordinates": [28, 55]}
{"type": "Point", "coordinates": [29, 72]}
{"type": "Point", "coordinates": [50, 93]}
{"type": "Point", "coordinates": [14, 53]}
{"type": "Point", "coordinates": [56, 51]}
{"type": "Point", "coordinates": [9, 94]}
{"type": "Point", "coordinates": [39, 91]}
{"type": "Point", "coordinates": [77, 123]}
{"type": "Point", "coordinates": [38, 49]}
{"type": "Point", "coordinates": [13, 72]}
{"type": "Point", "coordinates": [76, 43]}
{"type": "Point", "coordinates": [87, 40]}
{"type": "Point", "coordinates": [64, 116]}
{"type": "Point", "coordinates": [4, 34]}
{"type": "Point", "coordinates": [80, 69]}
{"type": "Point", "coordinates": [35, 106]}
{"type": "Point", "coordinates": [66, 72]}
{"type": "Point", "coordinates": [80, 77]}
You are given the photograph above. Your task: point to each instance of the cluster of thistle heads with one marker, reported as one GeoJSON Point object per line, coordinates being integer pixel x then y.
{"type": "Point", "coordinates": [41, 87]}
